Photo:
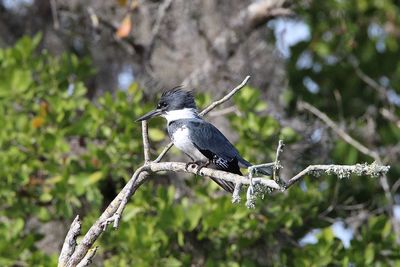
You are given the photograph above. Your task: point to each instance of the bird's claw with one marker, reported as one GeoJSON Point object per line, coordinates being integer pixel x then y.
{"type": "Point", "coordinates": [190, 164]}
{"type": "Point", "coordinates": [199, 165]}
{"type": "Point", "coordinates": [199, 169]}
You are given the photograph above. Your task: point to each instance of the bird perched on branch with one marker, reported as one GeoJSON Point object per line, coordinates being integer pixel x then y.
{"type": "Point", "coordinates": [200, 140]}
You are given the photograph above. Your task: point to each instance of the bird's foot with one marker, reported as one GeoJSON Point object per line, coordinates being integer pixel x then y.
{"type": "Point", "coordinates": [200, 165]}
{"type": "Point", "coordinates": [190, 165]}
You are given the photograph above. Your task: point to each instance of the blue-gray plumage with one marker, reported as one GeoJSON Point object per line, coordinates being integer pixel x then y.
{"type": "Point", "coordinates": [198, 139]}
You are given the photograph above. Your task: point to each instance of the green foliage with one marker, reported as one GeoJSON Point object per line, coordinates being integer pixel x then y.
{"type": "Point", "coordinates": [59, 150]}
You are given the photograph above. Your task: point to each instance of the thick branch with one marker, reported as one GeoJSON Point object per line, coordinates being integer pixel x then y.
{"type": "Point", "coordinates": [98, 227]}
{"type": "Point", "coordinates": [227, 176]}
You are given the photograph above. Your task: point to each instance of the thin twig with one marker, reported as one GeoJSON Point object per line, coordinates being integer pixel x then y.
{"type": "Point", "coordinates": [368, 80]}
{"type": "Point", "coordinates": [146, 144]}
{"type": "Point", "coordinates": [224, 111]}
{"type": "Point", "coordinates": [277, 165]}
{"type": "Point", "coordinates": [225, 98]}
{"type": "Point", "coordinates": [127, 193]}
{"type": "Point", "coordinates": [390, 116]}
{"type": "Point", "coordinates": [87, 260]}
{"type": "Point", "coordinates": [164, 152]}
{"type": "Point", "coordinates": [70, 242]}
{"type": "Point", "coordinates": [54, 14]}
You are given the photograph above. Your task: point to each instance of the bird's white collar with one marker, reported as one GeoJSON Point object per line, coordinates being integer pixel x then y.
{"type": "Point", "coordinates": [186, 113]}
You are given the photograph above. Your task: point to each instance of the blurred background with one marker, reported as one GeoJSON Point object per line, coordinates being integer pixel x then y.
{"type": "Point", "coordinates": [74, 75]}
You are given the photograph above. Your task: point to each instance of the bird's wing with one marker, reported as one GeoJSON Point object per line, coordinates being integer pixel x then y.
{"type": "Point", "coordinates": [215, 146]}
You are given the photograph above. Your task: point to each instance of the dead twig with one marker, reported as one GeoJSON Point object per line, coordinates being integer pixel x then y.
{"type": "Point", "coordinates": [69, 245]}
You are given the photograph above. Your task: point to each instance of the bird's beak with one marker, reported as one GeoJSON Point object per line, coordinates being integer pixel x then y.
{"type": "Point", "coordinates": [149, 115]}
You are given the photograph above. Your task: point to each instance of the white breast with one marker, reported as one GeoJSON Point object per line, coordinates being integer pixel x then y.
{"type": "Point", "coordinates": [182, 141]}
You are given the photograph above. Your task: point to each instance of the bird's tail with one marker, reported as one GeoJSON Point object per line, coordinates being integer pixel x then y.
{"type": "Point", "coordinates": [227, 186]}
{"type": "Point", "coordinates": [265, 170]}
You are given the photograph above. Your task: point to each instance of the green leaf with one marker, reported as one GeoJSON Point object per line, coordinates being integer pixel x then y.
{"type": "Point", "coordinates": [288, 134]}
{"type": "Point", "coordinates": [156, 134]}
{"type": "Point", "coordinates": [171, 262]}
{"type": "Point", "coordinates": [45, 197]}
{"type": "Point", "coordinates": [20, 80]}
{"type": "Point", "coordinates": [95, 177]}
{"type": "Point", "coordinates": [193, 215]}
{"type": "Point", "coordinates": [387, 229]}
{"type": "Point", "coordinates": [369, 254]}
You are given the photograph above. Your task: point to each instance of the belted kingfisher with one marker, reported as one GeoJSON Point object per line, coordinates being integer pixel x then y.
{"type": "Point", "coordinates": [200, 140]}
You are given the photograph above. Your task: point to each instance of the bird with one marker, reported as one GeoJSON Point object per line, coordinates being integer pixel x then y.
{"type": "Point", "coordinates": [200, 140]}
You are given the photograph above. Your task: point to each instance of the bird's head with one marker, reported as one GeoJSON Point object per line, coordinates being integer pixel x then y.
{"type": "Point", "coordinates": [174, 104]}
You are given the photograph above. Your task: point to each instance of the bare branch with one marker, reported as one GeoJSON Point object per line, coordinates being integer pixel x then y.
{"type": "Point", "coordinates": [127, 195]}
{"type": "Point", "coordinates": [259, 12]}
{"type": "Point", "coordinates": [87, 260]}
{"type": "Point", "coordinates": [70, 242]}
{"type": "Point", "coordinates": [54, 14]}
{"type": "Point", "coordinates": [342, 171]}
{"type": "Point", "coordinates": [227, 176]}
{"type": "Point", "coordinates": [277, 165]}
{"type": "Point", "coordinates": [382, 91]}
{"type": "Point", "coordinates": [146, 144]}
{"type": "Point", "coordinates": [98, 227]}
{"type": "Point", "coordinates": [225, 98]}
{"type": "Point", "coordinates": [164, 152]}
{"type": "Point", "coordinates": [390, 116]}
{"type": "Point", "coordinates": [345, 136]}
{"type": "Point", "coordinates": [224, 111]}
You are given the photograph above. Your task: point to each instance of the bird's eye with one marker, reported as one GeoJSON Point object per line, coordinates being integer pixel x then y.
{"type": "Point", "coordinates": [162, 105]}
